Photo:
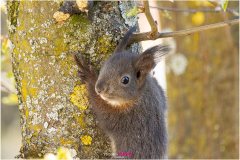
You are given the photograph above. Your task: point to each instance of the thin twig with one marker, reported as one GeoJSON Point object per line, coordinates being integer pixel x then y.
{"type": "Point", "coordinates": [154, 30]}
{"type": "Point", "coordinates": [145, 36]}
{"type": "Point", "coordinates": [216, 4]}
{"type": "Point", "coordinates": [191, 10]}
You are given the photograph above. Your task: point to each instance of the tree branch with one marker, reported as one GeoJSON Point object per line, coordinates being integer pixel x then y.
{"type": "Point", "coordinates": [145, 36]}
{"type": "Point", "coordinates": [154, 30]}
{"type": "Point", "coordinates": [190, 10]}
{"type": "Point", "coordinates": [216, 4]}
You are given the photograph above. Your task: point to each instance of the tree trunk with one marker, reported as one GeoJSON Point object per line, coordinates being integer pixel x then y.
{"type": "Point", "coordinates": [53, 105]}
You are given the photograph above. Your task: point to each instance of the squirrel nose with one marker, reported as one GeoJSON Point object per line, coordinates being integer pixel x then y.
{"type": "Point", "coordinates": [99, 87]}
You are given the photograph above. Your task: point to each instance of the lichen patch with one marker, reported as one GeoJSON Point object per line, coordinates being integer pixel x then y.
{"type": "Point", "coordinates": [78, 97]}
{"type": "Point", "coordinates": [86, 139]}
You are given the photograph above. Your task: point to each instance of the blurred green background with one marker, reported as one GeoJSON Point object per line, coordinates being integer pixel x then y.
{"type": "Point", "coordinates": [202, 85]}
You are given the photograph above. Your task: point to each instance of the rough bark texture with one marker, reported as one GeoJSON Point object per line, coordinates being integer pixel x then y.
{"type": "Point", "coordinates": [53, 105]}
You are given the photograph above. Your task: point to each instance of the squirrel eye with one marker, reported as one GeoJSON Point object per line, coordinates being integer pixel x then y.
{"type": "Point", "coordinates": [125, 80]}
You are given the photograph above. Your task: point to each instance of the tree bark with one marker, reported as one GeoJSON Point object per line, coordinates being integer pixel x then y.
{"type": "Point", "coordinates": [53, 105]}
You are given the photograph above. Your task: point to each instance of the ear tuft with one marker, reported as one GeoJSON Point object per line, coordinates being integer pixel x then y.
{"type": "Point", "coordinates": [124, 42]}
{"type": "Point", "coordinates": [146, 61]}
{"type": "Point", "coordinates": [157, 52]}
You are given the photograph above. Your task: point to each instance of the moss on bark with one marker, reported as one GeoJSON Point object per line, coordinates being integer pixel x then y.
{"type": "Point", "coordinates": [51, 113]}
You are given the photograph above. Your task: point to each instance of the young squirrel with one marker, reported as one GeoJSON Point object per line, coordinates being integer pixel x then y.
{"type": "Point", "coordinates": [128, 102]}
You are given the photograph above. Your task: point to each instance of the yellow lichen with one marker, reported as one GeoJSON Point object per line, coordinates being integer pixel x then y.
{"type": "Point", "coordinates": [26, 45]}
{"type": "Point", "coordinates": [51, 90]}
{"type": "Point", "coordinates": [27, 91]}
{"type": "Point", "coordinates": [60, 46]}
{"type": "Point", "coordinates": [26, 113]}
{"type": "Point", "coordinates": [32, 91]}
{"type": "Point", "coordinates": [64, 141]}
{"type": "Point", "coordinates": [36, 128]}
{"type": "Point", "coordinates": [86, 140]}
{"type": "Point", "coordinates": [80, 120]}
{"type": "Point", "coordinates": [67, 67]}
{"type": "Point", "coordinates": [78, 97]}
{"type": "Point", "coordinates": [24, 90]}
{"type": "Point", "coordinates": [105, 44]}
{"type": "Point", "coordinates": [28, 140]}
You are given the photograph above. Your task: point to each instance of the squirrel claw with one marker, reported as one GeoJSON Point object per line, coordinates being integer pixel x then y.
{"type": "Point", "coordinates": [86, 72]}
{"type": "Point", "coordinates": [82, 76]}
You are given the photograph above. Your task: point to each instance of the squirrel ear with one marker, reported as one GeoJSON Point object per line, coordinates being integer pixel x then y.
{"type": "Point", "coordinates": [125, 40]}
{"type": "Point", "coordinates": [149, 58]}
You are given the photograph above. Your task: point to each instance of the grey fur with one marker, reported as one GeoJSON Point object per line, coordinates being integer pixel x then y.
{"type": "Point", "coordinates": [132, 115]}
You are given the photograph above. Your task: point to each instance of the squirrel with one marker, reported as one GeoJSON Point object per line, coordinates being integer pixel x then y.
{"type": "Point", "coordinates": [128, 103]}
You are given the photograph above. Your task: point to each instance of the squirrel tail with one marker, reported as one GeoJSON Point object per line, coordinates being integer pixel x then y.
{"type": "Point", "coordinates": [124, 42]}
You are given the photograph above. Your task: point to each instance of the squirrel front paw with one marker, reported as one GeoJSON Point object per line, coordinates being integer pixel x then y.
{"type": "Point", "coordinates": [86, 72]}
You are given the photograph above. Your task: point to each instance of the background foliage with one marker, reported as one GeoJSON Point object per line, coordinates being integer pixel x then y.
{"type": "Point", "coordinates": [10, 126]}
{"type": "Point", "coordinates": [202, 89]}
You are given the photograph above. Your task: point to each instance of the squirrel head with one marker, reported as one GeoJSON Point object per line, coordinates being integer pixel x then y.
{"type": "Point", "coordinates": [123, 75]}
